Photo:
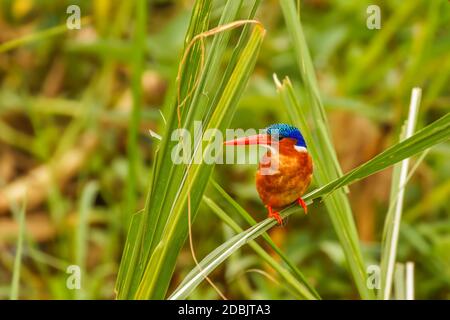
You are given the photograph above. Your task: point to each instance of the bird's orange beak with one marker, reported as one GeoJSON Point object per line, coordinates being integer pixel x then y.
{"type": "Point", "coordinates": [256, 139]}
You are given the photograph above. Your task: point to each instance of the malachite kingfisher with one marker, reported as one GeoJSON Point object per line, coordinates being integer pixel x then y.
{"type": "Point", "coordinates": [293, 163]}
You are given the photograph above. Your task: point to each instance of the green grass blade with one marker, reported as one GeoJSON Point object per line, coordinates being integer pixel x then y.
{"type": "Point", "coordinates": [38, 36]}
{"type": "Point", "coordinates": [434, 133]}
{"type": "Point", "coordinates": [216, 257]}
{"type": "Point", "coordinates": [399, 280]}
{"type": "Point", "coordinates": [138, 58]}
{"type": "Point", "coordinates": [176, 227]}
{"type": "Point", "coordinates": [409, 281]}
{"type": "Point", "coordinates": [82, 231]}
{"type": "Point", "coordinates": [140, 248]}
{"type": "Point", "coordinates": [148, 281]}
{"type": "Point", "coordinates": [197, 106]}
{"type": "Point", "coordinates": [164, 219]}
{"type": "Point", "coordinates": [154, 216]}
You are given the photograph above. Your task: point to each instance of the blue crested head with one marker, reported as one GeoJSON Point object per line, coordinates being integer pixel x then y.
{"type": "Point", "coordinates": [287, 131]}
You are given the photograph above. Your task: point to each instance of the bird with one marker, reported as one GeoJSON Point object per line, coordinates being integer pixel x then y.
{"type": "Point", "coordinates": [288, 154]}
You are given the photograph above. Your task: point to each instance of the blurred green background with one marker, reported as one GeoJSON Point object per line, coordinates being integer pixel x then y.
{"type": "Point", "coordinates": [65, 101]}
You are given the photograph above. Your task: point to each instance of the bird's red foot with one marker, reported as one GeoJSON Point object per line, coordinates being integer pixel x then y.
{"type": "Point", "coordinates": [303, 204]}
{"type": "Point", "coordinates": [275, 215]}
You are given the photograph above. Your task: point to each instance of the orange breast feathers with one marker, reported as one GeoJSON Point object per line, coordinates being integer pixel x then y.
{"type": "Point", "coordinates": [290, 181]}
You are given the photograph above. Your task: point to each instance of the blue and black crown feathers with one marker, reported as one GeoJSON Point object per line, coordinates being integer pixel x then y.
{"type": "Point", "coordinates": [287, 131]}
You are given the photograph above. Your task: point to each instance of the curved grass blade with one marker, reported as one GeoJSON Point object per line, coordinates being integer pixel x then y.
{"type": "Point", "coordinates": [142, 231]}
{"type": "Point", "coordinates": [216, 257]}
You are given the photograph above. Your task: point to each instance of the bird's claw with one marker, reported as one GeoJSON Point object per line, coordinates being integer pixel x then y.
{"type": "Point", "coordinates": [303, 204]}
{"type": "Point", "coordinates": [275, 215]}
